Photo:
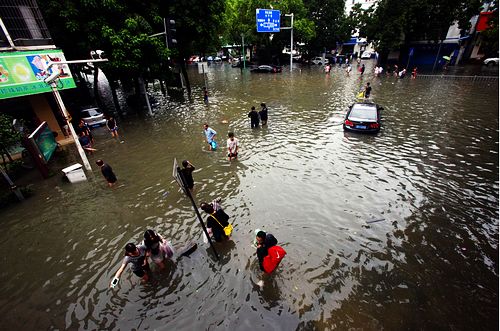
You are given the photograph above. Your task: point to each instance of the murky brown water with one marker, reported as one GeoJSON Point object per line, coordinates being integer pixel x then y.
{"type": "Point", "coordinates": [431, 175]}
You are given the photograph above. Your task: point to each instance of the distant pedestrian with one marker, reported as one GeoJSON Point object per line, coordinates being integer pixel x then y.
{"type": "Point", "coordinates": [362, 69]}
{"type": "Point", "coordinates": [107, 172]}
{"type": "Point", "coordinates": [112, 127]}
{"type": "Point", "coordinates": [327, 70]}
{"type": "Point", "coordinates": [187, 172]}
{"type": "Point", "coordinates": [402, 73]}
{"type": "Point", "coordinates": [210, 136]}
{"type": "Point", "coordinates": [348, 69]}
{"type": "Point", "coordinates": [414, 73]}
{"type": "Point", "coordinates": [263, 114]}
{"type": "Point", "coordinates": [136, 255]}
{"type": "Point", "coordinates": [396, 70]}
{"type": "Point", "coordinates": [232, 146]}
{"type": "Point", "coordinates": [254, 118]}
{"type": "Point", "coordinates": [368, 90]}
{"type": "Point", "coordinates": [205, 95]}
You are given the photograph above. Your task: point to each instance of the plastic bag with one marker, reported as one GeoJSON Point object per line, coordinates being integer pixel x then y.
{"type": "Point", "coordinates": [228, 229]}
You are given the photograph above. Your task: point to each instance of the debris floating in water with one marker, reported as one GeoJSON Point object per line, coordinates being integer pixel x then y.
{"type": "Point", "coordinates": [375, 221]}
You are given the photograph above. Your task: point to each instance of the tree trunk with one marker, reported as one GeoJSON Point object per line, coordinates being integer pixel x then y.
{"type": "Point", "coordinates": [112, 86]}
{"type": "Point", "coordinates": [4, 151]}
{"type": "Point", "coordinates": [382, 58]}
{"type": "Point", "coordinates": [162, 88]}
{"type": "Point", "coordinates": [96, 86]}
{"type": "Point", "coordinates": [184, 73]}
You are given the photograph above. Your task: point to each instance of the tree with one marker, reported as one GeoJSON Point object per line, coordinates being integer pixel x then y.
{"type": "Point", "coordinates": [8, 136]}
{"type": "Point", "coordinates": [332, 26]}
{"type": "Point", "coordinates": [199, 26]}
{"type": "Point", "coordinates": [121, 29]}
{"type": "Point", "coordinates": [394, 23]}
{"type": "Point", "coordinates": [240, 18]}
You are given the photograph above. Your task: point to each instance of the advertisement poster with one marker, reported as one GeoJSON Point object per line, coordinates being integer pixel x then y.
{"type": "Point", "coordinates": [22, 73]}
{"type": "Point", "coordinates": [44, 140]}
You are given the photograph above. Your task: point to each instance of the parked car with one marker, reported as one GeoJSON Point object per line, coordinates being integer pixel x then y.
{"type": "Point", "coordinates": [193, 59]}
{"type": "Point", "coordinates": [363, 117]}
{"type": "Point", "coordinates": [238, 63]}
{"type": "Point", "coordinates": [319, 60]}
{"type": "Point", "coordinates": [491, 61]}
{"type": "Point", "coordinates": [93, 117]}
{"type": "Point", "coordinates": [214, 59]}
{"type": "Point", "coordinates": [366, 55]}
{"type": "Point", "coordinates": [266, 68]}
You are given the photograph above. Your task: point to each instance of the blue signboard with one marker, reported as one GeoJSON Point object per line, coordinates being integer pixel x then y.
{"type": "Point", "coordinates": [268, 20]}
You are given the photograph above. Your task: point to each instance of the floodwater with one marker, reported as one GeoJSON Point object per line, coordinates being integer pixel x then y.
{"type": "Point", "coordinates": [397, 231]}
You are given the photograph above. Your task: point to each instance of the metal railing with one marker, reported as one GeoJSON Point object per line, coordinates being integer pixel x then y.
{"type": "Point", "coordinates": [474, 78]}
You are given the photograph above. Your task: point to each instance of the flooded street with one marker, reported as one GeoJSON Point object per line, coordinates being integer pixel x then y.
{"type": "Point", "coordinates": [397, 231]}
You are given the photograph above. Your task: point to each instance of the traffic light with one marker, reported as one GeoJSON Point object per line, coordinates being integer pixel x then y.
{"type": "Point", "coordinates": [171, 33]}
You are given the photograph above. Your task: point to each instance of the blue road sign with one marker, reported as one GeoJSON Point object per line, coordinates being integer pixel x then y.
{"type": "Point", "coordinates": [268, 20]}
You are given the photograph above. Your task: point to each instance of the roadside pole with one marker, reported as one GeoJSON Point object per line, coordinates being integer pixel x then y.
{"type": "Point", "coordinates": [291, 38]}
{"type": "Point", "coordinates": [63, 109]}
{"type": "Point", "coordinates": [179, 178]}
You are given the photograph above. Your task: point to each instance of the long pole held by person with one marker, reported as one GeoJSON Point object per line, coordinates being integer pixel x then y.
{"type": "Point", "coordinates": [179, 177]}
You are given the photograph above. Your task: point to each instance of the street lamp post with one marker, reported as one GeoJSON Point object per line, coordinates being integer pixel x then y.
{"type": "Point", "coordinates": [52, 81]}
{"type": "Point", "coordinates": [63, 109]}
{"type": "Point", "coordinates": [291, 38]}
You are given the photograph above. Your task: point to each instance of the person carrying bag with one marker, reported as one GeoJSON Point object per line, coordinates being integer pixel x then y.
{"type": "Point", "coordinates": [217, 222]}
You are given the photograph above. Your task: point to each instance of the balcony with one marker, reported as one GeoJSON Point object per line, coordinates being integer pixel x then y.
{"type": "Point", "coordinates": [22, 26]}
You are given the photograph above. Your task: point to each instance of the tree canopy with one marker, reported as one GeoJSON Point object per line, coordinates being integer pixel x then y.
{"type": "Point", "coordinates": [393, 23]}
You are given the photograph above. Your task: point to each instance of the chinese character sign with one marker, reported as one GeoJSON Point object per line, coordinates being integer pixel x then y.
{"type": "Point", "coordinates": [268, 20]}
{"type": "Point", "coordinates": [22, 73]}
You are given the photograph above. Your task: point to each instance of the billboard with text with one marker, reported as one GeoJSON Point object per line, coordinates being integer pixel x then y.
{"type": "Point", "coordinates": [22, 73]}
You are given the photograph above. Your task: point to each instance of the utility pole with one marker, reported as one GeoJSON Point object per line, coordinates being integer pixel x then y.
{"type": "Point", "coordinates": [291, 38]}
{"type": "Point", "coordinates": [53, 85]}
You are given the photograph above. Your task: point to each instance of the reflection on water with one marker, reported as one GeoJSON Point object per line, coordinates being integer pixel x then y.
{"type": "Point", "coordinates": [429, 180]}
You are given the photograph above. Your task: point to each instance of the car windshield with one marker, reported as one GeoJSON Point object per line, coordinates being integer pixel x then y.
{"type": "Point", "coordinates": [363, 111]}
{"type": "Point", "coordinates": [90, 113]}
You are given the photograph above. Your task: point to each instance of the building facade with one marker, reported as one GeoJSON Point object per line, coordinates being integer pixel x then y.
{"type": "Point", "coordinates": [26, 50]}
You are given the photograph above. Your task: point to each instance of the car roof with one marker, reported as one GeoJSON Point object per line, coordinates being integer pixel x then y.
{"type": "Point", "coordinates": [364, 105]}
{"type": "Point", "coordinates": [90, 110]}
